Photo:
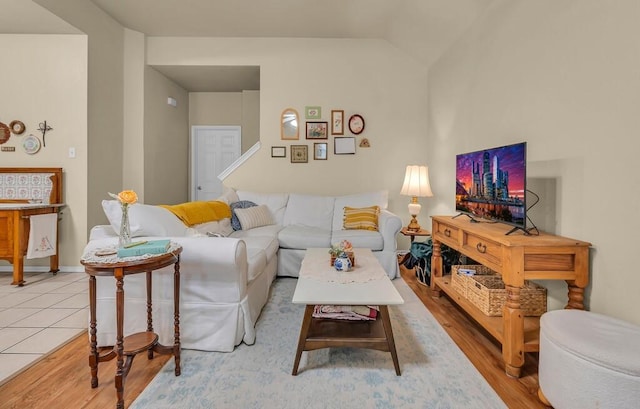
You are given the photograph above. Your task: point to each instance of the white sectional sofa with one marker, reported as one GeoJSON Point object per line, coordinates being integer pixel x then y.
{"type": "Point", "coordinates": [225, 281]}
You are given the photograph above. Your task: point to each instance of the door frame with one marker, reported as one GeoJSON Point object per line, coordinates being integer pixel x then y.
{"type": "Point", "coordinates": [193, 156]}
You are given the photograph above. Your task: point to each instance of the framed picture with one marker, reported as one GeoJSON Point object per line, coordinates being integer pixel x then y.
{"type": "Point", "coordinates": [344, 145]}
{"type": "Point", "coordinates": [337, 122]}
{"type": "Point", "coordinates": [299, 154]}
{"type": "Point", "coordinates": [312, 113]}
{"type": "Point", "coordinates": [320, 151]}
{"type": "Point", "coordinates": [317, 130]}
{"type": "Point", "coordinates": [278, 151]}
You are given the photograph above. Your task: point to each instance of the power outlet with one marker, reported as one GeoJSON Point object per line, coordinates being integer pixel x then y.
{"type": "Point", "coordinates": [72, 153]}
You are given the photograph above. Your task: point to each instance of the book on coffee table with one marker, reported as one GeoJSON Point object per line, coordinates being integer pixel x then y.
{"type": "Point", "coordinates": [148, 247]}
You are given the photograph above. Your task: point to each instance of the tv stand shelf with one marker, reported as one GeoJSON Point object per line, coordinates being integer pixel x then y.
{"type": "Point", "coordinates": [517, 258]}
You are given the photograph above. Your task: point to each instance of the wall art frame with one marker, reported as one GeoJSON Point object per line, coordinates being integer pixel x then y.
{"type": "Point", "coordinates": [337, 122]}
{"type": "Point", "coordinates": [299, 154]}
{"type": "Point", "coordinates": [317, 130]}
{"type": "Point", "coordinates": [278, 151]}
{"type": "Point", "coordinates": [344, 145]}
{"type": "Point", "coordinates": [320, 151]}
{"type": "Point", "coordinates": [312, 112]}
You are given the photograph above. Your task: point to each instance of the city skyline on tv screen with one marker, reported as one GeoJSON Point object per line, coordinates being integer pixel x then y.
{"type": "Point", "coordinates": [491, 183]}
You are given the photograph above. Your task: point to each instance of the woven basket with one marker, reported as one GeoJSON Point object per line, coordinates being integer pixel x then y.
{"type": "Point", "coordinates": [460, 281]}
{"type": "Point", "coordinates": [489, 294]}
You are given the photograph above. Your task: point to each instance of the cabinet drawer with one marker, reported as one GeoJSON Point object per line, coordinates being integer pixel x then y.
{"type": "Point", "coordinates": [446, 234]}
{"type": "Point", "coordinates": [482, 250]}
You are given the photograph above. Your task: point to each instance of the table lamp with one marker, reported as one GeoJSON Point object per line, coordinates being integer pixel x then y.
{"type": "Point", "coordinates": [416, 184]}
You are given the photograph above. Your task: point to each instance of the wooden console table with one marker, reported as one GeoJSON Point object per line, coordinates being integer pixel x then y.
{"type": "Point", "coordinates": [517, 258]}
{"type": "Point", "coordinates": [15, 213]}
{"type": "Point", "coordinates": [133, 344]}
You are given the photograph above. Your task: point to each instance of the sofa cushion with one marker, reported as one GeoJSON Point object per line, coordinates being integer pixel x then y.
{"type": "Point", "coordinates": [144, 220]}
{"type": "Point", "coordinates": [309, 210]}
{"type": "Point", "coordinates": [361, 218]}
{"type": "Point", "coordinates": [276, 202]}
{"type": "Point", "coordinates": [304, 237]}
{"type": "Point", "coordinates": [379, 198]}
{"type": "Point", "coordinates": [359, 238]}
{"type": "Point", "coordinates": [269, 245]}
{"type": "Point", "coordinates": [228, 196]}
{"type": "Point", "coordinates": [241, 204]}
{"type": "Point", "coordinates": [255, 216]}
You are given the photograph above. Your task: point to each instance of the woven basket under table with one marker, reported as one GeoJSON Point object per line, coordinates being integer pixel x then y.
{"type": "Point", "coordinates": [460, 281]}
{"type": "Point", "coordinates": [489, 294]}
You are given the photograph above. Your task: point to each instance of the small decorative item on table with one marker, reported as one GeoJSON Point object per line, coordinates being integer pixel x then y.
{"type": "Point", "coordinates": [126, 198]}
{"type": "Point", "coordinates": [342, 249]}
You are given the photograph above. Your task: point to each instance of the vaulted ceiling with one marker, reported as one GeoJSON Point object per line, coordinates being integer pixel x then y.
{"type": "Point", "coordinates": [421, 28]}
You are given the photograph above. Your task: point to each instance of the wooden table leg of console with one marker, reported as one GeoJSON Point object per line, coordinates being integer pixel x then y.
{"type": "Point", "coordinates": [576, 296]}
{"type": "Point", "coordinates": [513, 342]}
{"type": "Point", "coordinates": [304, 331]}
{"type": "Point", "coordinates": [436, 267]}
{"type": "Point", "coordinates": [388, 332]}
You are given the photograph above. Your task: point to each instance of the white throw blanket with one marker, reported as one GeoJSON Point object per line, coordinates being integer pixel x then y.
{"type": "Point", "coordinates": [42, 235]}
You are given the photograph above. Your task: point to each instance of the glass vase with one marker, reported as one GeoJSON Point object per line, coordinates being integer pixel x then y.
{"type": "Point", "coordinates": [125, 230]}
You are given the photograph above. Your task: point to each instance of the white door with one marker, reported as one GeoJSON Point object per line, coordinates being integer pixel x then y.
{"type": "Point", "coordinates": [213, 149]}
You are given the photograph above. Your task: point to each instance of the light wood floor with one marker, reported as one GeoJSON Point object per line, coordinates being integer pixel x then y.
{"type": "Point", "coordinates": [62, 380]}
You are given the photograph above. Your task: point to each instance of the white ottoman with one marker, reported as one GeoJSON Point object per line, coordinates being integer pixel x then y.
{"type": "Point", "coordinates": [588, 360]}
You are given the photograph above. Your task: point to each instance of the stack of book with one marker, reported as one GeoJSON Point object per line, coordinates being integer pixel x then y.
{"type": "Point", "coordinates": [141, 248]}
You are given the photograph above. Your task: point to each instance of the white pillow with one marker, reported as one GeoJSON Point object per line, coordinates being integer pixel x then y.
{"type": "Point", "coordinates": [144, 220]}
{"type": "Point", "coordinates": [228, 196]}
{"type": "Point", "coordinates": [221, 227]}
{"type": "Point", "coordinates": [255, 216]}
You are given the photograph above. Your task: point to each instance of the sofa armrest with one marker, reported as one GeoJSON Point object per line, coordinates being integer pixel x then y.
{"type": "Point", "coordinates": [102, 231]}
{"type": "Point", "coordinates": [389, 226]}
{"type": "Point", "coordinates": [212, 268]}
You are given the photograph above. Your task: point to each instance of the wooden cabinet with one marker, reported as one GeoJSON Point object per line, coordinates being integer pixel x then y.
{"type": "Point", "coordinates": [516, 257]}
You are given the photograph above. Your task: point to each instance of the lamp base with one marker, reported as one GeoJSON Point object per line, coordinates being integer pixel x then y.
{"type": "Point", "coordinates": [413, 224]}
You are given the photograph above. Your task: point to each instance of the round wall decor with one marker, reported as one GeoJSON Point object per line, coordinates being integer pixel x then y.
{"type": "Point", "coordinates": [31, 144]}
{"type": "Point", "coordinates": [17, 127]}
{"type": "Point", "coordinates": [5, 133]}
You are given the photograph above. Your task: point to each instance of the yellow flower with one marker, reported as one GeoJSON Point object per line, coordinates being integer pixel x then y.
{"type": "Point", "coordinates": [126, 197]}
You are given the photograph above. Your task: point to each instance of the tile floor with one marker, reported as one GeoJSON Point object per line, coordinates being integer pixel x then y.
{"type": "Point", "coordinates": [39, 317]}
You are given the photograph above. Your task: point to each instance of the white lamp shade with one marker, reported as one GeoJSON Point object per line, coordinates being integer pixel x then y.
{"type": "Point", "coordinates": [416, 182]}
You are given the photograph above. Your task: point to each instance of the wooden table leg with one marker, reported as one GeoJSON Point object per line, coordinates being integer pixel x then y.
{"type": "Point", "coordinates": [513, 324]}
{"type": "Point", "coordinates": [93, 355]}
{"type": "Point", "coordinates": [576, 296]}
{"type": "Point", "coordinates": [304, 330]}
{"type": "Point", "coordinates": [176, 316]}
{"type": "Point", "coordinates": [149, 311]}
{"type": "Point", "coordinates": [119, 380]}
{"type": "Point", "coordinates": [388, 332]}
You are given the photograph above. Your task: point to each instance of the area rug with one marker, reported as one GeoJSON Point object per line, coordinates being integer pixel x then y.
{"type": "Point", "coordinates": [435, 372]}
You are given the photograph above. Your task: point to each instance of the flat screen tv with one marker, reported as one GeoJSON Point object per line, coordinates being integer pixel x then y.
{"type": "Point", "coordinates": [491, 185]}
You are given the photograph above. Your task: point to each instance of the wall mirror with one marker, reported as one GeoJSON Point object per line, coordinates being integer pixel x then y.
{"type": "Point", "coordinates": [289, 124]}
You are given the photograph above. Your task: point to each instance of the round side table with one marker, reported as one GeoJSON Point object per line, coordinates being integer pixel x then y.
{"type": "Point", "coordinates": [133, 344]}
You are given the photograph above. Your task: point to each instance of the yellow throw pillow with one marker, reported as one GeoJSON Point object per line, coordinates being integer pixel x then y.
{"type": "Point", "coordinates": [361, 218]}
{"type": "Point", "coordinates": [192, 213]}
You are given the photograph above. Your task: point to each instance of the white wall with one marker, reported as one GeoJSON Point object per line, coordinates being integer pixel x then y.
{"type": "Point", "coordinates": [369, 77]}
{"type": "Point", "coordinates": [166, 140]}
{"type": "Point", "coordinates": [563, 76]}
{"type": "Point", "coordinates": [45, 78]}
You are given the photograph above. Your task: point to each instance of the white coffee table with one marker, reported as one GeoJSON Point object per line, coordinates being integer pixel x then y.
{"type": "Point", "coordinates": [319, 283]}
